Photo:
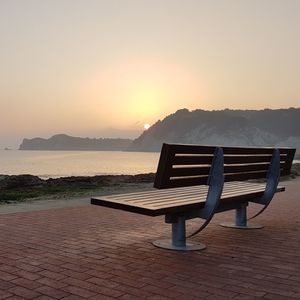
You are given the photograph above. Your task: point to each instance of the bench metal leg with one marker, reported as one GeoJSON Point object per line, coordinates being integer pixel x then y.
{"type": "Point", "coordinates": [241, 220]}
{"type": "Point", "coordinates": [178, 241]}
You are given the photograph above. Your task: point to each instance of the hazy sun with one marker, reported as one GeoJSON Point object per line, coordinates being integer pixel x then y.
{"type": "Point", "coordinates": [146, 126]}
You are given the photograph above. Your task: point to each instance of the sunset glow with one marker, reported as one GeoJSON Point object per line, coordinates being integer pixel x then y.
{"type": "Point", "coordinates": [144, 88]}
{"type": "Point", "coordinates": [147, 126]}
{"type": "Point", "coordinates": [111, 65]}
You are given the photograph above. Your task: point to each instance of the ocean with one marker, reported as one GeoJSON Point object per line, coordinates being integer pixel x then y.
{"type": "Point", "coordinates": [46, 164]}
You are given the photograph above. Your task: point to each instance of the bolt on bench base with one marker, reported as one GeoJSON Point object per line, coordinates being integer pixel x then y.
{"type": "Point", "coordinates": [167, 244]}
{"type": "Point", "coordinates": [241, 220]}
{"type": "Point", "coordinates": [247, 226]}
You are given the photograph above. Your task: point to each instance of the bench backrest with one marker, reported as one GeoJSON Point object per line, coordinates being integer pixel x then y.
{"type": "Point", "coordinates": [187, 165]}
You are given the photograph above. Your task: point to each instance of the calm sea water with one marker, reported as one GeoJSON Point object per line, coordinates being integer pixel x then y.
{"type": "Point", "coordinates": [53, 164]}
{"type": "Point", "coordinates": [46, 164]}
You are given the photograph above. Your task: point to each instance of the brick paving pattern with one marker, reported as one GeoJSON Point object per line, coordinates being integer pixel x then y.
{"type": "Point", "coordinates": [92, 252]}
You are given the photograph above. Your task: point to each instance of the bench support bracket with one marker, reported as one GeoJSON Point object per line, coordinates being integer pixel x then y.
{"type": "Point", "coordinates": [215, 182]}
{"type": "Point", "coordinates": [241, 219]}
{"type": "Point", "coordinates": [271, 186]}
{"type": "Point", "coordinates": [178, 241]}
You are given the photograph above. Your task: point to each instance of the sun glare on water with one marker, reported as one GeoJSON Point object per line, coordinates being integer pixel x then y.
{"type": "Point", "coordinates": [147, 126]}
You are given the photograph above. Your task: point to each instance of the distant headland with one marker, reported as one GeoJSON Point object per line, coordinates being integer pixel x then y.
{"type": "Point", "coordinates": [258, 128]}
{"type": "Point", "coordinates": [246, 128]}
{"type": "Point", "coordinates": [70, 143]}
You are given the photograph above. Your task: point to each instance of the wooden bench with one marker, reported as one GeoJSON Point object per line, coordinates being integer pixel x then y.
{"type": "Point", "coordinates": [198, 181]}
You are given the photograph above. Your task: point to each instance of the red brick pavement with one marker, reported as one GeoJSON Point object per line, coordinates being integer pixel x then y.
{"type": "Point", "coordinates": [99, 253]}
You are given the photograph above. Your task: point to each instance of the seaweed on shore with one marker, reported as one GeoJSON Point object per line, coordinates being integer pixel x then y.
{"type": "Point", "coordinates": [17, 188]}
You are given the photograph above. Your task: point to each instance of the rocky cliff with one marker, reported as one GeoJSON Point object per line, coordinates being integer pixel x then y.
{"type": "Point", "coordinates": [267, 127]}
{"type": "Point", "coordinates": [65, 142]}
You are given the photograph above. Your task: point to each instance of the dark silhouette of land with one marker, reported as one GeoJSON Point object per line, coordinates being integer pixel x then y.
{"type": "Point", "coordinates": [259, 128]}
{"type": "Point", "coordinates": [66, 142]}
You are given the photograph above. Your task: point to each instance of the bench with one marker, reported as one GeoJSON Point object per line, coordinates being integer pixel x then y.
{"type": "Point", "coordinates": [195, 181]}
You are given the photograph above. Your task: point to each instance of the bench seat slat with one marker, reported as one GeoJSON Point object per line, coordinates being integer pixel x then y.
{"type": "Point", "coordinates": [154, 193]}
{"type": "Point", "coordinates": [182, 194]}
{"type": "Point", "coordinates": [240, 159]}
{"type": "Point", "coordinates": [196, 149]}
{"type": "Point", "coordinates": [195, 180]}
{"type": "Point", "coordinates": [201, 197]}
{"type": "Point", "coordinates": [204, 170]}
{"type": "Point", "coordinates": [199, 193]}
{"type": "Point", "coordinates": [249, 151]}
{"type": "Point", "coordinates": [159, 202]}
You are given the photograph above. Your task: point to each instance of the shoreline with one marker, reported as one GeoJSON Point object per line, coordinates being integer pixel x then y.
{"type": "Point", "coordinates": [20, 188]}
{"type": "Point", "coordinates": [28, 188]}
{"type": "Point", "coordinates": [67, 199]}
{"type": "Point", "coordinates": [73, 200]}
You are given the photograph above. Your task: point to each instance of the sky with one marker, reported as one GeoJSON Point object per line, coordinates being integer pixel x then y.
{"type": "Point", "coordinates": [104, 68]}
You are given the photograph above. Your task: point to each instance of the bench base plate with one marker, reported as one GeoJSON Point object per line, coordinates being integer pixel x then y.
{"type": "Point", "coordinates": [248, 226]}
{"type": "Point", "coordinates": [167, 244]}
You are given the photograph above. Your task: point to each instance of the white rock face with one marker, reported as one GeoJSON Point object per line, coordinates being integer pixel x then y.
{"type": "Point", "coordinates": [244, 137]}
{"type": "Point", "coordinates": [246, 128]}
{"type": "Point", "coordinates": [250, 136]}
{"type": "Point", "coordinates": [292, 141]}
